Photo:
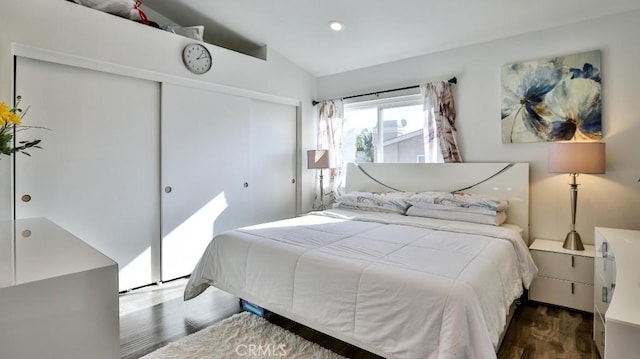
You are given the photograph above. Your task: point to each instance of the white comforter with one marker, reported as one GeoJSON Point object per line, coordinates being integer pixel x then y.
{"type": "Point", "coordinates": [407, 287]}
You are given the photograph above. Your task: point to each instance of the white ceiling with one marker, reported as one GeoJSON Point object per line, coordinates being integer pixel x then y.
{"type": "Point", "coordinates": [378, 31]}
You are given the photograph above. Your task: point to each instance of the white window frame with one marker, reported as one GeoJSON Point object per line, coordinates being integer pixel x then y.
{"type": "Point", "coordinates": [383, 104]}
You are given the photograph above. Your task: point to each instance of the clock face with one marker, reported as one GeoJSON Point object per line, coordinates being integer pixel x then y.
{"type": "Point", "coordinates": [196, 58]}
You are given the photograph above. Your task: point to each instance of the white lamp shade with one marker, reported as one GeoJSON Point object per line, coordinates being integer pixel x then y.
{"type": "Point", "coordinates": [318, 159]}
{"type": "Point", "coordinates": [577, 157]}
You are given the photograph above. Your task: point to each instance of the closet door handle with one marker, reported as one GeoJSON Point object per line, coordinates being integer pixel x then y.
{"type": "Point", "coordinates": [605, 295]}
{"type": "Point", "coordinates": [168, 189]}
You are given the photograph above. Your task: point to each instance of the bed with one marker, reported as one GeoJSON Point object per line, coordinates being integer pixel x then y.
{"type": "Point", "coordinates": [397, 285]}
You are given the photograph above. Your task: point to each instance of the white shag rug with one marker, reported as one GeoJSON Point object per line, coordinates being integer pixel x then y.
{"type": "Point", "coordinates": [243, 335]}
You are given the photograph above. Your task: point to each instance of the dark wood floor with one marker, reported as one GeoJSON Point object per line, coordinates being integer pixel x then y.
{"type": "Point", "coordinates": [154, 316]}
{"type": "Point", "coordinates": [545, 332]}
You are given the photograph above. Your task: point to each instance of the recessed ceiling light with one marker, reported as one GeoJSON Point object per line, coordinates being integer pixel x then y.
{"type": "Point", "coordinates": [336, 25]}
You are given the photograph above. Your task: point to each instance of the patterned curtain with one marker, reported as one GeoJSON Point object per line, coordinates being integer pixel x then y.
{"type": "Point", "coordinates": [330, 113]}
{"type": "Point", "coordinates": [440, 123]}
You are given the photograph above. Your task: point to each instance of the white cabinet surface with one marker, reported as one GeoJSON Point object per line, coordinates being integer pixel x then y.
{"type": "Point", "coordinates": [565, 277]}
{"type": "Point", "coordinates": [97, 172]}
{"type": "Point", "coordinates": [60, 297]}
{"type": "Point", "coordinates": [616, 320]}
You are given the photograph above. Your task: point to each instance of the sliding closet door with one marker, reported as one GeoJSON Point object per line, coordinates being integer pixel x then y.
{"type": "Point", "coordinates": [97, 174]}
{"type": "Point", "coordinates": [205, 172]}
{"type": "Point", "coordinates": [273, 160]}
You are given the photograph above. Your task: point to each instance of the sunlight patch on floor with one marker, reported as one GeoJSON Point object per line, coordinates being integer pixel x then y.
{"type": "Point", "coordinates": [149, 296]}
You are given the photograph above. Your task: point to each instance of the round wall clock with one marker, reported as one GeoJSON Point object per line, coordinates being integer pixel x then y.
{"type": "Point", "coordinates": [197, 58]}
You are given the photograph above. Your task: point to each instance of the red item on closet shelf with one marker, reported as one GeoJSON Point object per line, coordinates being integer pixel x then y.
{"type": "Point", "coordinates": [143, 16]}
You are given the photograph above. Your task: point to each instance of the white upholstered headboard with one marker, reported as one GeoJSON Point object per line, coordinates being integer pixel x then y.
{"type": "Point", "coordinates": [509, 181]}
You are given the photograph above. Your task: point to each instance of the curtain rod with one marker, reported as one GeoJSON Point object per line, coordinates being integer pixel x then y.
{"type": "Point", "coordinates": [452, 80]}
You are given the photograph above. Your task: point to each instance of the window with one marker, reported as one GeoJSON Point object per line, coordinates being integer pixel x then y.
{"type": "Point", "coordinates": [388, 130]}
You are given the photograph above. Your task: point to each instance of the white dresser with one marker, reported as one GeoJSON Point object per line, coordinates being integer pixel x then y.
{"type": "Point", "coordinates": [58, 295]}
{"type": "Point", "coordinates": [565, 277]}
{"type": "Point", "coordinates": [616, 318]}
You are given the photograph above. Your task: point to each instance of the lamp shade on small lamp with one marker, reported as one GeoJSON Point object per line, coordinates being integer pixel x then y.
{"type": "Point", "coordinates": [320, 159]}
{"type": "Point", "coordinates": [575, 158]}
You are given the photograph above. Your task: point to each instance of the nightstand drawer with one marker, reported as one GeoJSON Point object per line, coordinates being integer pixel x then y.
{"type": "Point", "coordinates": [562, 292]}
{"type": "Point", "coordinates": [564, 266]}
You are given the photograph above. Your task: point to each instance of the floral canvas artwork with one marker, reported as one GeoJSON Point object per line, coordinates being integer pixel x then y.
{"type": "Point", "coordinates": [555, 99]}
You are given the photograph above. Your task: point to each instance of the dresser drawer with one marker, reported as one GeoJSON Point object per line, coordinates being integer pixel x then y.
{"type": "Point", "coordinates": [616, 292]}
{"type": "Point", "coordinates": [602, 293]}
{"type": "Point", "coordinates": [603, 248]}
{"type": "Point", "coordinates": [569, 267]}
{"type": "Point", "coordinates": [562, 292]}
{"type": "Point", "coordinates": [605, 268]}
{"type": "Point", "coordinates": [598, 333]}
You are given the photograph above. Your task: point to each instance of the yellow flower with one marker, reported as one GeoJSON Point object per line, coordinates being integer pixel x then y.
{"type": "Point", "coordinates": [8, 115]}
{"type": "Point", "coordinates": [13, 116]}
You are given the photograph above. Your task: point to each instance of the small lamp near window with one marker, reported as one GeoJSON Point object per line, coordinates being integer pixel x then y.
{"type": "Point", "coordinates": [575, 158]}
{"type": "Point", "coordinates": [320, 159]}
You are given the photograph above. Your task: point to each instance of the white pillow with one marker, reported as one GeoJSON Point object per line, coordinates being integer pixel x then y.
{"type": "Point", "coordinates": [493, 219]}
{"type": "Point", "coordinates": [440, 207]}
{"type": "Point", "coordinates": [458, 200]}
{"type": "Point", "coordinates": [394, 202]}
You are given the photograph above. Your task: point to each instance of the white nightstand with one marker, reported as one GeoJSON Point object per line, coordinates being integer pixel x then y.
{"type": "Point", "coordinates": [565, 277]}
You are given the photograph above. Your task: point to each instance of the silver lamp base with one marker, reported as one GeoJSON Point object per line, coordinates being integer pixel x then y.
{"type": "Point", "coordinates": [572, 241]}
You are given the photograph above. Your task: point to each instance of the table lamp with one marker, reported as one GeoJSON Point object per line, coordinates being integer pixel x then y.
{"type": "Point", "coordinates": [320, 159]}
{"type": "Point", "coordinates": [575, 158]}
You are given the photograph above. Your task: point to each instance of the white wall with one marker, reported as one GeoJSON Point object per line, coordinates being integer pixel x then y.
{"type": "Point", "coordinates": [68, 28]}
{"type": "Point", "coordinates": [612, 199]}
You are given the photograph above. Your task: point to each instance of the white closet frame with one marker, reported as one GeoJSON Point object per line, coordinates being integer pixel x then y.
{"type": "Point", "coordinates": [26, 51]}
